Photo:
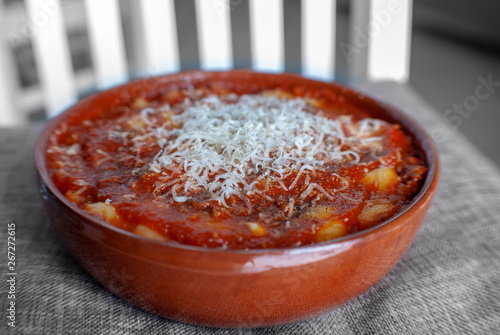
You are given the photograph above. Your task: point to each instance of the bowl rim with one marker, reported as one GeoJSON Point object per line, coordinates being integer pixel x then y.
{"type": "Point", "coordinates": [418, 132]}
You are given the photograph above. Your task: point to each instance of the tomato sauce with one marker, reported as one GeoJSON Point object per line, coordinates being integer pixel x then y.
{"type": "Point", "coordinates": [105, 164]}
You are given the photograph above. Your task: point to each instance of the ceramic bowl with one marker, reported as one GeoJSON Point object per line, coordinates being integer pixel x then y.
{"type": "Point", "coordinates": [228, 288]}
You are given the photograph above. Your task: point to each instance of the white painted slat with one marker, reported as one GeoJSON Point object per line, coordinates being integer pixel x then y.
{"type": "Point", "coordinates": [389, 52]}
{"type": "Point", "coordinates": [106, 42]}
{"type": "Point", "coordinates": [214, 34]}
{"type": "Point", "coordinates": [267, 38]}
{"type": "Point", "coordinates": [9, 113]}
{"type": "Point", "coordinates": [318, 38]}
{"type": "Point", "coordinates": [156, 50]}
{"type": "Point", "coordinates": [380, 39]}
{"type": "Point", "coordinates": [52, 55]}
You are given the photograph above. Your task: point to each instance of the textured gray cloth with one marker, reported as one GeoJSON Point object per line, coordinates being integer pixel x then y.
{"type": "Point", "coordinates": [447, 283]}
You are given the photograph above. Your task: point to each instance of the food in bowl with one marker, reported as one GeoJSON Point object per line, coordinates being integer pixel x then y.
{"type": "Point", "coordinates": [225, 287]}
{"type": "Point", "coordinates": [224, 167]}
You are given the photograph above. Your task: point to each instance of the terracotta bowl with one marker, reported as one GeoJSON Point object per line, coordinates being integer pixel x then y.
{"type": "Point", "coordinates": [225, 288]}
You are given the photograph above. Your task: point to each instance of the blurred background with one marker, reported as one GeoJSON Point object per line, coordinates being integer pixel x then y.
{"type": "Point", "coordinates": [454, 44]}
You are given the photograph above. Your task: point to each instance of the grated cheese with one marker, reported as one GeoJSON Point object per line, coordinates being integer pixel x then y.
{"type": "Point", "coordinates": [225, 146]}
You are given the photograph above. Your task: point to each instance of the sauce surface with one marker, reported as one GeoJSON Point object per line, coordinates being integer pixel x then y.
{"type": "Point", "coordinates": [215, 168]}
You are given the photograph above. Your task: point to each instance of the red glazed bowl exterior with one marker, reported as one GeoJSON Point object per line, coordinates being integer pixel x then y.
{"type": "Point", "coordinates": [225, 288]}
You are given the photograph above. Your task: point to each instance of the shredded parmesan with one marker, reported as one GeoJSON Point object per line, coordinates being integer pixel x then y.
{"type": "Point", "coordinates": [223, 146]}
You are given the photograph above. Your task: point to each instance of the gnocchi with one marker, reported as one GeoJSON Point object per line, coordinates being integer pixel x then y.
{"type": "Point", "coordinates": [383, 178]}
{"type": "Point", "coordinates": [256, 228]}
{"type": "Point", "coordinates": [104, 210]}
{"type": "Point", "coordinates": [144, 231]}
{"type": "Point", "coordinates": [333, 228]}
{"type": "Point", "coordinates": [375, 213]}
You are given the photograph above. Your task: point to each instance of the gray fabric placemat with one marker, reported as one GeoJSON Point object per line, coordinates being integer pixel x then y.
{"type": "Point", "coordinates": [447, 283]}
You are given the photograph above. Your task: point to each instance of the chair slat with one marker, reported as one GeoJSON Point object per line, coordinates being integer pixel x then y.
{"type": "Point", "coordinates": [106, 42]}
{"type": "Point", "coordinates": [318, 38]}
{"type": "Point", "coordinates": [266, 26]}
{"type": "Point", "coordinates": [389, 52]}
{"type": "Point", "coordinates": [52, 55]}
{"type": "Point", "coordinates": [214, 34]}
{"type": "Point", "coordinates": [9, 113]}
{"type": "Point", "coordinates": [155, 37]}
{"type": "Point", "coordinates": [380, 39]}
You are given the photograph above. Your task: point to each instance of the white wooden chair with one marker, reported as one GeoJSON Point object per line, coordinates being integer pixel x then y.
{"type": "Point", "coordinates": [380, 33]}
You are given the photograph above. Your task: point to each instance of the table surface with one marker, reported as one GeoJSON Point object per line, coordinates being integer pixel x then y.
{"type": "Point", "coordinates": [447, 283]}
